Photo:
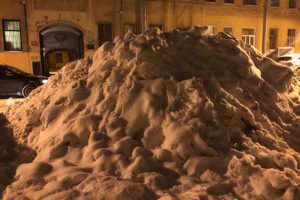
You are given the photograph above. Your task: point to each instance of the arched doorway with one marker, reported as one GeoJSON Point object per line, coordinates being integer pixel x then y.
{"type": "Point", "coordinates": [60, 43]}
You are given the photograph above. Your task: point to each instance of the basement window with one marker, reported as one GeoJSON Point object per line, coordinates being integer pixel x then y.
{"type": "Point", "coordinates": [12, 35]}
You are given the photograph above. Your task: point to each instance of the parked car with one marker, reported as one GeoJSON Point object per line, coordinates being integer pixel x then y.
{"type": "Point", "coordinates": [15, 82]}
{"type": "Point", "coordinates": [293, 61]}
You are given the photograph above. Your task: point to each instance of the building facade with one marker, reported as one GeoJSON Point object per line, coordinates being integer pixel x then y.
{"type": "Point", "coordinates": [40, 36]}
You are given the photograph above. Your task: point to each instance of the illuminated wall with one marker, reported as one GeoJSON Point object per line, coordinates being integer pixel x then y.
{"type": "Point", "coordinates": [86, 14]}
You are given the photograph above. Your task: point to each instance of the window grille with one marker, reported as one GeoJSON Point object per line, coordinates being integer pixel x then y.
{"type": "Point", "coordinates": [248, 36]}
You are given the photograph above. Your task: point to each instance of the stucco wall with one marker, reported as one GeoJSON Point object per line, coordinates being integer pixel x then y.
{"type": "Point", "coordinates": [86, 14]}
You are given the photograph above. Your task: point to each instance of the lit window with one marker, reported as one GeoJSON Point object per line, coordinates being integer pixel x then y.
{"type": "Point", "coordinates": [12, 35]}
{"type": "Point", "coordinates": [228, 30]}
{"type": "Point", "coordinates": [132, 28]}
{"type": "Point", "coordinates": [275, 3]}
{"type": "Point", "coordinates": [105, 32]}
{"type": "Point", "coordinates": [291, 37]}
{"type": "Point", "coordinates": [248, 36]}
{"type": "Point", "coordinates": [292, 3]}
{"type": "Point", "coordinates": [273, 35]}
{"type": "Point", "coordinates": [228, 1]}
{"type": "Point", "coordinates": [249, 2]}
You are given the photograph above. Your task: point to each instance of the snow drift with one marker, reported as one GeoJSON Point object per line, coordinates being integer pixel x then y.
{"type": "Point", "coordinates": [174, 115]}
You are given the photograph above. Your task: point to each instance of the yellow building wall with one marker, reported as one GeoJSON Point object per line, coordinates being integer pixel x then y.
{"type": "Point", "coordinates": [21, 60]}
{"type": "Point", "coordinates": [86, 14]}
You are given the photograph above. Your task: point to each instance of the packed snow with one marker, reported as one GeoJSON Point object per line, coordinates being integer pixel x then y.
{"type": "Point", "coordinates": [160, 115]}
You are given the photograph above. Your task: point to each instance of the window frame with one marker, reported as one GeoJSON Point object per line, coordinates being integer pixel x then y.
{"type": "Point", "coordinates": [4, 38]}
{"type": "Point", "coordinates": [250, 36]}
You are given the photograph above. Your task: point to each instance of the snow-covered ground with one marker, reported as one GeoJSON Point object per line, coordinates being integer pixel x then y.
{"type": "Point", "coordinates": [175, 115]}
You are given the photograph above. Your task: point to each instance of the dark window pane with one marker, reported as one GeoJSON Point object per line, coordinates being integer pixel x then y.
{"type": "Point", "coordinates": [105, 32]}
{"type": "Point", "coordinates": [292, 3]}
{"type": "Point", "coordinates": [249, 2]}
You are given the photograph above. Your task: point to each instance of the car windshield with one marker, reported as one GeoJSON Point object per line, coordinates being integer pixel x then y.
{"type": "Point", "coordinates": [18, 71]}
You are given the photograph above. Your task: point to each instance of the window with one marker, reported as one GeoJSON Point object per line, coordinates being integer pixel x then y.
{"type": "Point", "coordinates": [291, 37]}
{"type": "Point", "coordinates": [273, 34]}
{"type": "Point", "coordinates": [132, 28]}
{"type": "Point", "coordinates": [249, 2]}
{"type": "Point", "coordinates": [248, 36]}
{"type": "Point", "coordinates": [105, 32]}
{"type": "Point", "coordinates": [275, 3]}
{"type": "Point", "coordinates": [152, 26]}
{"type": "Point", "coordinates": [292, 3]}
{"type": "Point", "coordinates": [210, 0]}
{"type": "Point", "coordinates": [228, 30]}
{"type": "Point", "coordinates": [211, 30]}
{"type": "Point", "coordinates": [228, 1]}
{"type": "Point", "coordinates": [12, 35]}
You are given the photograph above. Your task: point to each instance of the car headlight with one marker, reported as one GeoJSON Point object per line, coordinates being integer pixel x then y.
{"type": "Point", "coordinates": [44, 81]}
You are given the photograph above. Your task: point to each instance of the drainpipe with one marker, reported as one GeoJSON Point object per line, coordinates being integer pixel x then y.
{"type": "Point", "coordinates": [26, 24]}
{"type": "Point", "coordinates": [144, 18]}
{"type": "Point", "coordinates": [264, 38]}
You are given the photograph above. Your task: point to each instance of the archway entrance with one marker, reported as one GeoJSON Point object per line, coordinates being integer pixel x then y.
{"type": "Point", "coordinates": [60, 43]}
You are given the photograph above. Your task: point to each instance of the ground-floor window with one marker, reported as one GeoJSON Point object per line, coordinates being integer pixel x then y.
{"type": "Point", "coordinates": [12, 35]}
{"type": "Point", "coordinates": [291, 37]}
{"type": "Point", "coordinates": [273, 35]}
{"type": "Point", "coordinates": [248, 36]}
{"type": "Point", "coordinates": [105, 32]}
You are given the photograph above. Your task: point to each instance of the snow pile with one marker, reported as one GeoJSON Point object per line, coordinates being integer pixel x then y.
{"type": "Point", "coordinates": [175, 115]}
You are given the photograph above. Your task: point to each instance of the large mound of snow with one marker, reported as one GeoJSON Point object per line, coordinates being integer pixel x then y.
{"type": "Point", "coordinates": [174, 115]}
